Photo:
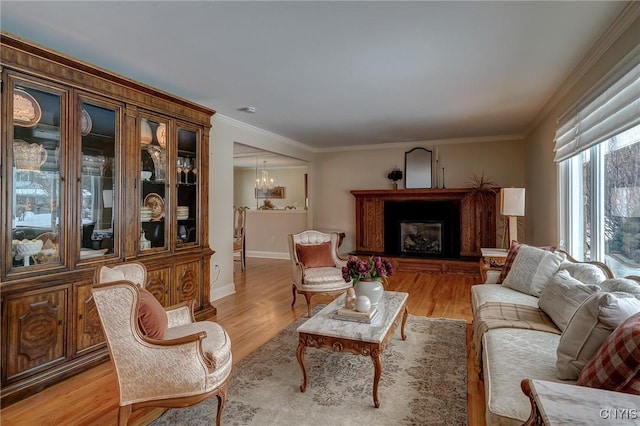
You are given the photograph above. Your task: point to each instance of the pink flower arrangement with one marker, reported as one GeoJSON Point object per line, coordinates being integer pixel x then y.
{"type": "Point", "coordinates": [374, 268]}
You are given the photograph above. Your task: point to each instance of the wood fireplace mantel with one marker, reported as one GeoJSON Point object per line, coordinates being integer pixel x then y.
{"type": "Point", "coordinates": [477, 216]}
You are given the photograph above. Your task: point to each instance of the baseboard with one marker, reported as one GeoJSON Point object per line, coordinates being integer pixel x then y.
{"type": "Point", "coordinates": [269, 254]}
{"type": "Point", "coordinates": [220, 291]}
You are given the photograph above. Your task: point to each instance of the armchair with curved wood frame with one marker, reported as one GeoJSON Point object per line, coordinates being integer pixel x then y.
{"type": "Point", "coordinates": [191, 363]}
{"type": "Point", "coordinates": [239, 238]}
{"type": "Point", "coordinates": [320, 280]}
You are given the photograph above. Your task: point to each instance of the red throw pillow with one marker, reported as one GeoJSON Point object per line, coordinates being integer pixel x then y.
{"type": "Point", "coordinates": [511, 257]}
{"type": "Point", "coordinates": [616, 365]}
{"type": "Point", "coordinates": [152, 318]}
{"type": "Point", "coordinates": [315, 255]}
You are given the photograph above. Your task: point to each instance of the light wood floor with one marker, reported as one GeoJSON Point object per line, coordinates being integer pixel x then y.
{"type": "Point", "coordinates": [260, 308]}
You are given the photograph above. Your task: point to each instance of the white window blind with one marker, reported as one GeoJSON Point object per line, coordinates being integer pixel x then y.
{"type": "Point", "coordinates": [614, 111]}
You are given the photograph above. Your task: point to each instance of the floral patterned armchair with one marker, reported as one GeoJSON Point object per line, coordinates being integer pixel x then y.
{"type": "Point", "coordinates": [316, 267]}
{"type": "Point", "coordinates": [190, 363]}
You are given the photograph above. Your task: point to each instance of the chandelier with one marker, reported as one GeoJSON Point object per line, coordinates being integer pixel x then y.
{"type": "Point", "coordinates": [264, 182]}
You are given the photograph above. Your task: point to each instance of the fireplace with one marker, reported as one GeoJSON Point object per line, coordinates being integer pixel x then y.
{"type": "Point", "coordinates": [422, 229]}
{"type": "Point", "coordinates": [420, 238]}
{"type": "Point", "coordinates": [466, 224]}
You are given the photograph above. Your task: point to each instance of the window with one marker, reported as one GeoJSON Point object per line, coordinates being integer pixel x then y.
{"type": "Point", "coordinates": [600, 177]}
{"type": "Point", "coordinates": [602, 198]}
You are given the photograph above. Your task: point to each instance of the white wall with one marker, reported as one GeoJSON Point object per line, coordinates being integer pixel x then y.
{"type": "Point", "coordinates": [267, 230]}
{"type": "Point", "coordinates": [337, 173]}
{"type": "Point", "coordinates": [224, 133]}
{"type": "Point", "coordinates": [541, 174]}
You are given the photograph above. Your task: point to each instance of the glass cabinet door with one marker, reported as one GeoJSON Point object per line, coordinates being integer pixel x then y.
{"type": "Point", "coordinates": [35, 182]}
{"type": "Point", "coordinates": [98, 176]}
{"type": "Point", "coordinates": [187, 184]}
{"type": "Point", "coordinates": [154, 202]}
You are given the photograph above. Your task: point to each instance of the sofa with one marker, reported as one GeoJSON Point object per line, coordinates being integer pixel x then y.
{"type": "Point", "coordinates": [545, 318]}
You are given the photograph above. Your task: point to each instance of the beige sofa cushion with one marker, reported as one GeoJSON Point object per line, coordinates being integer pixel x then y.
{"type": "Point", "coordinates": [562, 296]}
{"type": "Point", "coordinates": [509, 356]}
{"type": "Point", "coordinates": [589, 327]}
{"type": "Point", "coordinates": [483, 293]}
{"type": "Point", "coordinates": [532, 269]}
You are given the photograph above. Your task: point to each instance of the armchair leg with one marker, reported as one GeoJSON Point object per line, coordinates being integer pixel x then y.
{"type": "Point", "coordinates": [123, 415]}
{"type": "Point", "coordinates": [308, 297]}
{"type": "Point", "coordinates": [221, 395]}
{"type": "Point", "coordinates": [293, 288]}
{"type": "Point", "coordinates": [221, 401]}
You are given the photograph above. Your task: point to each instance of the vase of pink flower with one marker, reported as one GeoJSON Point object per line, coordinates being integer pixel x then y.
{"type": "Point", "coordinates": [368, 276]}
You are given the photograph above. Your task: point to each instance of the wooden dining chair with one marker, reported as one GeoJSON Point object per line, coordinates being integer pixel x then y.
{"type": "Point", "coordinates": [239, 238]}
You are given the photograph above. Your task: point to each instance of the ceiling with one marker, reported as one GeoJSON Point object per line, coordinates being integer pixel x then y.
{"type": "Point", "coordinates": [333, 74]}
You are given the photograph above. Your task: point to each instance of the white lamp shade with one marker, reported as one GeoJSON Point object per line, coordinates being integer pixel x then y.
{"type": "Point", "coordinates": [512, 201]}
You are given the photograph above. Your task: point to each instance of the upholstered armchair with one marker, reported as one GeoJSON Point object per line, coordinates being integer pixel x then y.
{"type": "Point", "coordinates": [175, 362]}
{"type": "Point", "coordinates": [316, 267]}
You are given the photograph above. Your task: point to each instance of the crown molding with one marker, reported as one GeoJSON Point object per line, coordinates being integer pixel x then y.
{"type": "Point", "coordinates": [428, 143]}
{"type": "Point", "coordinates": [626, 18]}
{"type": "Point", "coordinates": [260, 131]}
{"type": "Point", "coordinates": [385, 145]}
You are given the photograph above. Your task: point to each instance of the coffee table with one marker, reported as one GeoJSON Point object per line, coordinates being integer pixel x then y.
{"type": "Point", "coordinates": [323, 331]}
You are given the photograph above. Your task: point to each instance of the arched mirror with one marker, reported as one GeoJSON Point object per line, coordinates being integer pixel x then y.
{"type": "Point", "coordinates": [417, 168]}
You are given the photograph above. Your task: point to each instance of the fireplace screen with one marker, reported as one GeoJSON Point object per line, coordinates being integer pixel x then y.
{"type": "Point", "coordinates": [421, 237]}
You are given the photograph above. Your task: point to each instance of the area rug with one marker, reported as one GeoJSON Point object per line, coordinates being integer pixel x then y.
{"type": "Point", "coordinates": [423, 382]}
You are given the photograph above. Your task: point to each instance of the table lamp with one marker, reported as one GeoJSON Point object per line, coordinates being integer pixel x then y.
{"type": "Point", "coordinates": [512, 206]}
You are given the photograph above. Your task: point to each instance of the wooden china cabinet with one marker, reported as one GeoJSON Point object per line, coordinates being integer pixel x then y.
{"type": "Point", "coordinates": [95, 169]}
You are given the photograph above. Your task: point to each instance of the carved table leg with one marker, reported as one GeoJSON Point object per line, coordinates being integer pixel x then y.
{"type": "Point", "coordinates": [404, 321]}
{"type": "Point", "coordinates": [300, 356]}
{"type": "Point", "coordinates": [535, 419]}
{"type": "Point", "coordinates": [376, 356]}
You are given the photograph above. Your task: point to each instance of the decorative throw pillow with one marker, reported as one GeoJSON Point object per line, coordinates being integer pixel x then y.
{"type": "Point", "coordinates": [532, 269]}
{"type": "Point", "coordinates": [616, 365]}
{"type": "Point", "coordinates": [562, 296]}
{"type": "Point", "coordinates": [511, 256]}
{"type": "Point", "coordinates": [109, 274]}
{"type": "Point", "coordinates": [621, 284]}
{"type": "Point", "coordinates": [589, 327]}
{"type": "Point", "coordinates": [152, 317]}
{"type": "Point", "coordinates": [315, 255]}
{"type": "Point", "coordinates": [584, 272]}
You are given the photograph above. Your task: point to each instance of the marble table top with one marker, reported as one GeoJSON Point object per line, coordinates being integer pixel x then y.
{"type": "Point", "coordinates": [563, 404]}
{"type": "Point", "coordinates": [323, 324]}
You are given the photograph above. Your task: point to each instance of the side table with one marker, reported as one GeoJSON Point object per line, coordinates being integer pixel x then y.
{"type": "Point", "coordinates": [563, 404]}
{"type": "Point", "coordinates": [492, 259]}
